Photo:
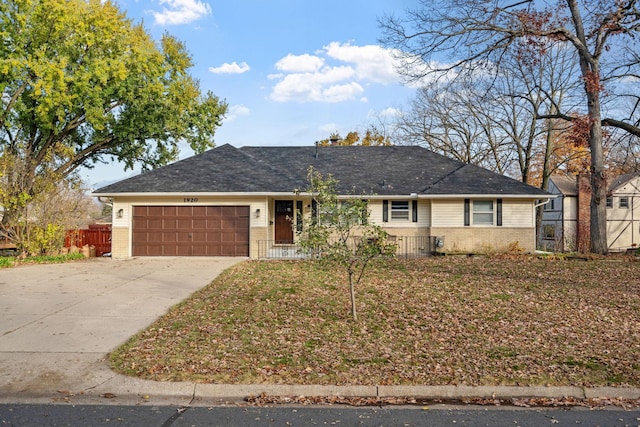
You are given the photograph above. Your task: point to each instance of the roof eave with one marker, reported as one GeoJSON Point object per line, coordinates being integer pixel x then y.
{"type": "Point", "coordinates": [305, 194]}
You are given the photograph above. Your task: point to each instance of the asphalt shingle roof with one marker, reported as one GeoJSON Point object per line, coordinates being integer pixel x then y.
{"type": "Point", "coordinates": [568, 185]}
{"type": "Point", "coordinates": [390, 170]}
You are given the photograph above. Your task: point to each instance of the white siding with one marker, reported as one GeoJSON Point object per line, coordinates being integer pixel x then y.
{"type": "Point", "coordinates": [570, 208]}
{"type": "Point", "coordinates": [623, 224]}
{"type": "Point", "coordinates": [518, 213]}
{"type": "Point", "coordinates": [447, 213]}
{"type": "Point", "coordinates": [126, 213]}
{"type": "Point", "coordinates": [375, 209]}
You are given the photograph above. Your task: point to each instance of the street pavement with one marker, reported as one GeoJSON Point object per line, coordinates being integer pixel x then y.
{"type": "Point", "coordinates": [58, 322]}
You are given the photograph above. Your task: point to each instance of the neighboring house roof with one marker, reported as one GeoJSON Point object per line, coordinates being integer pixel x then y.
{"type": "Point", "coordinates": [567, 185]}
{"type": "Point", "coordinates": [621, 181]}
{"type": "Point", "coordinates": [384, 170]}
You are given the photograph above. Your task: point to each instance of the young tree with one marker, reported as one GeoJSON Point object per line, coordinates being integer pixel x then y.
{"type": "Point", "coordinates": [80, 84]}
{"type": "Point", "coordinates": [474, 35]}
{"type": "Point", "coordinates": [340, 232]}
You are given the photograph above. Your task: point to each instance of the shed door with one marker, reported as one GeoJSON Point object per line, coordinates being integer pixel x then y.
{"type": "Point", "coordinates": [190, 231]}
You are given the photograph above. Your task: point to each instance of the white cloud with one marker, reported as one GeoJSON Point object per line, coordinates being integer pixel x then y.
{"type": "Point", "coordinates": [233, 68]}
{"type": "Point", "coordinates": [236, 111]}
{"type": "Point", "coordinates": [390, 112]}
{"type": "Point", "coordinates": [373, 63]}
{"type": "Point", "coordinates": [336, 73]}
{"type": "Point", "coordinates": [181, 12]}
{"type": "Point", "coordinates": [300, 63]}
{"type": "Point", "coordinates": [327, 85]}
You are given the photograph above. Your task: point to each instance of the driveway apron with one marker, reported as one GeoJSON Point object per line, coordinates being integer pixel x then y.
{"type": "Point", "coordinates": [59, 321]}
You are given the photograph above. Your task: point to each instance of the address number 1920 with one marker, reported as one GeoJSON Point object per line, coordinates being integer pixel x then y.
{"type": "Point", "coordinates": [190, 199]}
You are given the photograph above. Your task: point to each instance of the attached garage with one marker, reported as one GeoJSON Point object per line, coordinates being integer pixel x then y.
{"type": "Point", "coordinates": [190, 231]}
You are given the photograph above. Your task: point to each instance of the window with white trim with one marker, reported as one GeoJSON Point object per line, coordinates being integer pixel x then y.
{"type": "Point", "coordinates": [483, 212]}
{"type": "Point", "coordinates": [609, 202]}
{"type": "Point", "coordinates": [400, 210]}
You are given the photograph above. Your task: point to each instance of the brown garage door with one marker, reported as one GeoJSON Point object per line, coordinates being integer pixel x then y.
{"type": "Point", "coordinates": [190, 231]}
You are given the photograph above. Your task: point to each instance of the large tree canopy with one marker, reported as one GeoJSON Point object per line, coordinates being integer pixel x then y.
{"type": "Point", "coordinates": [80, 84]}
{"type": "Point", "coordinates": [452, 38]}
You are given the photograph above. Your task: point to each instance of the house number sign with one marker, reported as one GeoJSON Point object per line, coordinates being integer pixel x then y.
{"type": "Point", "coordinates": [190, 199]}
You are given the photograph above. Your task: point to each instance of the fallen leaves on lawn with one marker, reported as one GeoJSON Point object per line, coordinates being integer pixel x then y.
{"type": "Point", "coordinates": [437, 321]}
{"type": "Point", "coordinates": [264, 399]}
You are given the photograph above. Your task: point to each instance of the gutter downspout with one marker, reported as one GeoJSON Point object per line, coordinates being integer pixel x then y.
{"type": "Point", "coordinates": [543, 203]}
{"type": "Point", "coordinates": [537, 239]}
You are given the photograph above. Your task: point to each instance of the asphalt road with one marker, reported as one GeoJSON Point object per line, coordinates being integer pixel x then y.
{"type": "Point", "coordinates": [165, 416]}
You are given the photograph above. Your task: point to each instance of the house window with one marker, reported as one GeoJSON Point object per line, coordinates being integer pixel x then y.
{"type": "Point", "coordinates": [550, 206]}
{"type": "Point", "coordinates": [399, 210]}
{"type": "Point", "coordinates": [549, 232]}
{"type": "Point", "coordinates": [624, 203]}
{"type": "Point", "coordinates": [609, 202]}
{"type": "Point", "coordinates": [483, 212]}
{"type": "Point", "coordinates": [360, 214]}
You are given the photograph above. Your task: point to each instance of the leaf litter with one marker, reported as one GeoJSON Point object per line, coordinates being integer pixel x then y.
{"type": "Point", "coordinates": [436, 321]}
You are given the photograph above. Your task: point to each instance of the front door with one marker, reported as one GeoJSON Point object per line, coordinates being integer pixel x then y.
{"type": "Point", "coordinates": [284, 222]}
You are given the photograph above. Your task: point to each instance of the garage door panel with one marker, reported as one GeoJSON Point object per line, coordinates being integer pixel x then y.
{"type": "Point", "coordinates": [199, 224]}
{"type": "Point", "coordinates": [156, 211]}
{"type": "Point", "coordinates": [199, 237]}
{"type": "Point", "coordinates": [184, 224]}
{"type": "Point", "coordinates": [190, 231]}
{"type": "Point", "coordinates": [184, 211]}
{"type": "Point", "coordinates": [167, 237]}
{"type": "Point", "coordinates": [152, 223]}
{"type": "Point", "coordinates": [199, 211]}
{"type": "Point", "coordinates": [214, 224]}
{"type": "Point", "coordinates": [183, 238]}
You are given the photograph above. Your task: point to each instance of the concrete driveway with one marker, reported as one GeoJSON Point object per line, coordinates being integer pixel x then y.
{"type": "Point", "coordinates": [58, 321]}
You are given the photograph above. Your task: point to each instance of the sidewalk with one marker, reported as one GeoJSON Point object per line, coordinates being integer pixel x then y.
{"type": "Point", "coordinates": [59, 321]}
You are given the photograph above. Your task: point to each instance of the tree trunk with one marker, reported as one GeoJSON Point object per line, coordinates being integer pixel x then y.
{"type": "Point", "coordinates": [352, 293]}
{"type": "Point", "coordinates": [598, 223]}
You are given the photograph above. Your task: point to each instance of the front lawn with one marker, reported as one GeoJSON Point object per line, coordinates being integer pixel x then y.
{"type": "Point", "coordinates": [437, 321]}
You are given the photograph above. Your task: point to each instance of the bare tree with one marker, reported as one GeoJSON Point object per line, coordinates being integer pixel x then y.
{"type": "Point", "coordinates": [450, 119]}
{"type": "Point", "coordinates": [440, 37]}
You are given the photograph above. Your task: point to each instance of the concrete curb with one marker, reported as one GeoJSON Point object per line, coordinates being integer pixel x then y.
{"type": "Point", "coordinates": [124, 390]}
{"type": "Point", "coordinates": [185, 393]}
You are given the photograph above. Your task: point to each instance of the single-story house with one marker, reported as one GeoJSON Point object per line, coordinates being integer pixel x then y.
{"type": "Point", "coordinates": [232, 201]}
{"type": "Point", "coordinates": [566, 219]}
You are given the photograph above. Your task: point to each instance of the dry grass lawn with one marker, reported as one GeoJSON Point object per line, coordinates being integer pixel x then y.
{"type": "Point", "coordinates": [445, 320]}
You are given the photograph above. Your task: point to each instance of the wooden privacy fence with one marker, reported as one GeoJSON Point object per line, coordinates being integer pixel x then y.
{"type": "Point", "coordinates": [97, 235]}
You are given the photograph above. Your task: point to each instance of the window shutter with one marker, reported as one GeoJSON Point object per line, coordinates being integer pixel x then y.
{"type": "Point", "coordinates": [414, 211]}
{"type": "Point", "coordinates": [499, 213]}
{"type": "Point", "coordinates": [467, 208]}
{"type": "Point", "coordinates": [385, 211]}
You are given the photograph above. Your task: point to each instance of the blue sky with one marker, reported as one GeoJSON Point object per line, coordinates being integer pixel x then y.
{"type": "Point", "coordinates": [292, 71]}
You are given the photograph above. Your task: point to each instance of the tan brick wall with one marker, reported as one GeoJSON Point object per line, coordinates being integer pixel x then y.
{"type": "Point", "coordinates": [120, 242]}
{"type": "Point", "coordinates": [490, 239]}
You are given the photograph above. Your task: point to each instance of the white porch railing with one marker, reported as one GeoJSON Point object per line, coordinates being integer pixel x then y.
{"type": "Point", "coordinates": [407, 247]}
